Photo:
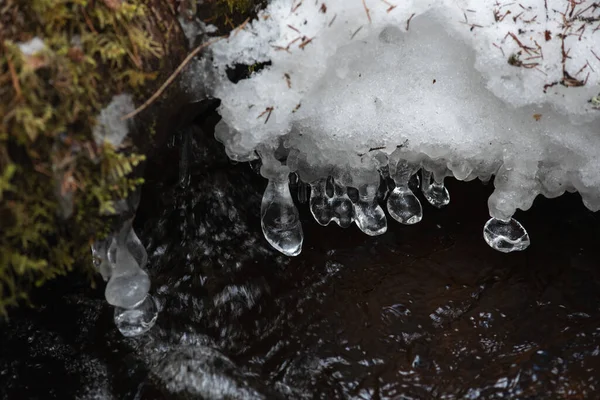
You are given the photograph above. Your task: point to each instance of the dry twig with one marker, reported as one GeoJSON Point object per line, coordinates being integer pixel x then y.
{"type": "Point", "coordinates": [171, 78]}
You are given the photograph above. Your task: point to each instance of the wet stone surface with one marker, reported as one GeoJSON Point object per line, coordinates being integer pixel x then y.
{"type": "Point", "coordinates": [424, 311]}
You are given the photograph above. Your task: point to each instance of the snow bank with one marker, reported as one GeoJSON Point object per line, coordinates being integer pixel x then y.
{"type": "Point", "coordinates": [460, 88]}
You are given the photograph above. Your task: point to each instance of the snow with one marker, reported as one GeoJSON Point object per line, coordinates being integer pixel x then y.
{"type": "Point", "coordinates": [463, 88]}
{"type": "Point", "coordinates": [32, 47]}
{"type": "Point", "coordinates": [109, 125]}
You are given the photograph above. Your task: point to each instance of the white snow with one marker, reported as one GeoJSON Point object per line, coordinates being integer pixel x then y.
{"type": "Point", "coordinates": [465, 88]}
{"type": "Point", "coordinates": [32, 46]}
{"type": "Point", "coordinates": [109, 125]}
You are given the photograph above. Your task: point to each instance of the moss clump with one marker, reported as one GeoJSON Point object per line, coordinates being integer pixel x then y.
{"type": "Point", "coordinates": [57, 185]}
{"type": "Point", "coordinates": [228, 14]}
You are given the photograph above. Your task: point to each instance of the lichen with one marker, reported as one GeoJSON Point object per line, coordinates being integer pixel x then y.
{"type": "Point", "coordinates": [58, 186]}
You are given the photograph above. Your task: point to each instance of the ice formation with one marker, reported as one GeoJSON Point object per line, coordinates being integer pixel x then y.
{"type": "Point", "coordinates": [354, 90]}
{"type": "Point", "coordinates": [120, 259]}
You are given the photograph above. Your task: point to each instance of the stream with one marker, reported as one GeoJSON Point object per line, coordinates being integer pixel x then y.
{"type": "Point", "coordinates": [422, 312]}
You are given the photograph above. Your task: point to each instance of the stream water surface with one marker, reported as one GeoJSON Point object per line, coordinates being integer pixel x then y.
{"type": "Point", "coordinates": [423, 312]}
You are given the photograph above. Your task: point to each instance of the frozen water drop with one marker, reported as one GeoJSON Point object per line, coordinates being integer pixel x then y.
{"type": "Point", "coordinates": [404, 206]}
{"type": "Point", "coordinates": [402, 203]}
{"type": "Point", "coordinates": [319, 202]}
{"type": "Point", "coordinates": [436, 193]}
{"type": "Point", "coordinates": [137, 320]}
{"type": "Point", "coordinates": [127, 290]}
{"type": "Point", "coordinates": [369, 215]}
{"type": "Point", "coordinates": [506, 236]}
{"type": "Point", "coordinates": [279, 218]}
{"type": "Point", "coordinates": [128, 284]}
{"type": "Point", "coordinates": [370, 218]}
{"type": "Point", "coordinates": [341, 206]}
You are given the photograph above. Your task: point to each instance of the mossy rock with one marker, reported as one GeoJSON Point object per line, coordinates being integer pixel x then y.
{"type": "Point", "coordinates": [61, 63]}
{"type": "Point", "coordinates": [59, 185]}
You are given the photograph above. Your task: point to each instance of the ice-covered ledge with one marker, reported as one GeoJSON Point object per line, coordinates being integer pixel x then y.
{"type": "Point", "coordinates": [358, 89]}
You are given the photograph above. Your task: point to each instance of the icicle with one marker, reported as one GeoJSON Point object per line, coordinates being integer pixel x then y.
{"type": "Point", "coordinates": [329, 201]}
{"type": "Point", "coordinates": [128, 283]}
{"type": "Point", "coordinates": [402, 204]}
{"type": "Point", "coordinates": [319, 202]}
{"type": "Point", "coordinates": [435, 192]}
{"type": "Point", "coordinates": [279, 217]}
{"type": "Point", "coordinates": [138, 319]}
{"type": "Point", "coordinates": [136, 248]}
{"type": "Point", "coordinates": [506, 236]}
{"type": "Point", "coordinates": [100, 257]}
{"type": "Point", "coordinates": [369, 215]}
{"type": "Point", "coordinates": [384, 183]}
{"type": "Point", "coordinates": [341, 206]}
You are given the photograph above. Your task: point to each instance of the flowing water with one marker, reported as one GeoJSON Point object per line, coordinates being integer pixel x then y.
{"type": "Point", "coordinates": [427, 311]}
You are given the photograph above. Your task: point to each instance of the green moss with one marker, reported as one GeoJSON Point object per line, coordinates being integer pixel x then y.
{"type": "Point", "coordinates": [240, 6]}
{"type": "Point", "coordinates": [57, 186]}
{"type": "Point", "coordinates": [228, 14]}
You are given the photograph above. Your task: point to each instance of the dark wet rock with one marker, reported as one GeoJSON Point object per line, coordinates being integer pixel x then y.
{"type": "Point", "coordinates": [426, 311]}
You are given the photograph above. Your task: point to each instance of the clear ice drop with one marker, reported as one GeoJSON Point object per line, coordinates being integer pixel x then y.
{"type": "Point", "coordinates": [436, 193]}
{"type": "Point", "coordinates": [279, 218]}
{"type": "Point", "coordinates": [343, 212]}
{"type": "Point", "coordinates": [128, 239]}
{"type": "Point", "coordinates": [404, 206]}
{"type": "Point", "coordinates": [137, 320]}
{"type": "Point", "coordinates": [128, 284]}
{"type": "Point", "coordinates": [506, 236]}
{"type": "Point", "coordinates": [369, 215]}
{"type": "Point", "coordinates": [319, 202]}
{"type": "Point", "coordinates": [402, 203]}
